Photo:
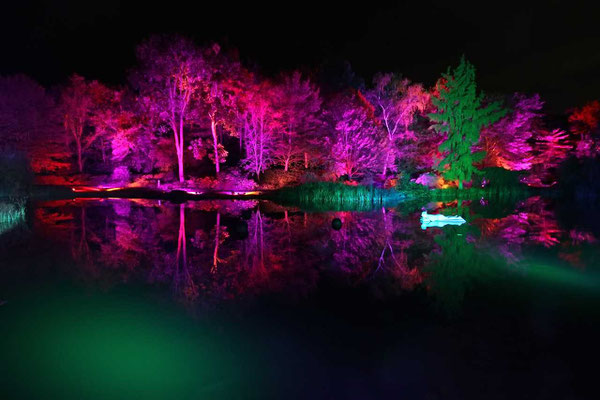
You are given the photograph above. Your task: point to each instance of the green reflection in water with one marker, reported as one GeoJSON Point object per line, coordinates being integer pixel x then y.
{"type": "Point", "coordinates": [460, 265]}
{"type": "Point", "coordinates": [103, 347]}
{"type": "Point", "coordinates": [457, 266]}
{"type": "Point", "coordinates": [552, 273]}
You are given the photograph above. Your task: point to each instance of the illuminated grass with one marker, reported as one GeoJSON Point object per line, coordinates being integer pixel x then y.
{"type": "Point", "coordinates": [11, 215]}
{"type": "Point", "coordinates": [337, 196]}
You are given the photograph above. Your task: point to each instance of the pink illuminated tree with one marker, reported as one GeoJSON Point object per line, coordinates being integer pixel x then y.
{"type": "Point", "coordinates": [355, 147]}
{"type": "Point", "coordinates": [168, 80]}
{"type": "Point", "coordinates": [262, 122]}
{"type": "Point", "coordinates": [220, 80]}
{"type": "Point", "coordinates": [396, 101]}
{"type": "Point", "coordinates": [550, 148]}
{"type": "Point", "coordinates": [80, 102]}
{"type": "Point", "coordinates": [385, 96]}
{"type": "Point", "coordinates": [298, 101]}
{"type": "Point", "coordinates": [507, 143]}
{"type": "Point", "coordinates": [241, 87]}
{"type": "Point", "coordinates": [117, 125]}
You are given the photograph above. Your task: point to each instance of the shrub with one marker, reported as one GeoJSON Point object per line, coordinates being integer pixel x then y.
{"type": "Point", "coordinates": [278, 178]}
{"type": "Point", "coordinates": [121, 174]}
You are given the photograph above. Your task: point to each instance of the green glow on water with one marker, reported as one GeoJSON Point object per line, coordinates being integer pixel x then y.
{"type": "Point", "coordinates": [99, 347]}
{"type": "Point", "coordinates": [556, 274]}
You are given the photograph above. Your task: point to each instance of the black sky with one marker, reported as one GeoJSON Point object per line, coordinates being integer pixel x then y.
{"type": "Point", "coordinates": [550, 47]}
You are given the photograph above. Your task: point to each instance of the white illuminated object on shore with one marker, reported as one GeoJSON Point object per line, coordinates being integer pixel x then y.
{"type": "Point", "coordinates": [194, 192]}
{"type": "Point", "coordinates": [439, 221]}
{"type": "Point", "coordinates": [235, 193]}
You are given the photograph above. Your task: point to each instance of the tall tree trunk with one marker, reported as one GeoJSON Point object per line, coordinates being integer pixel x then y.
{"type": "Point", "coordinates": [385, 165]}
{"type": "Point", "coordinates": [213, 130]}
{"type": "Point", "coordinates": [178, 136]}
{"type": "Point", "coordinates": [180, 165]}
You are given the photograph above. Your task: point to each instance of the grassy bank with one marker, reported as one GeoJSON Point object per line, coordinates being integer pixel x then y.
{"type": "Point", "coordinates": [337, 196]}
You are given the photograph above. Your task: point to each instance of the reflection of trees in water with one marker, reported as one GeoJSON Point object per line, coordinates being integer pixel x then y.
{"type": "Point", "coordinates": [183, 281]}
{"type": "Point", "coordinates": [247, 248]}
{"type": "Point", "coordinates": [394, 244]}
{"type": "Point", "coordinates": [80, 249]}
{"type": "Point", "coordinates": [533, 223]}
{"type": "Point", "coordinates": [120, 241]}
{"type": "Point", "coordinates": [455, 267]}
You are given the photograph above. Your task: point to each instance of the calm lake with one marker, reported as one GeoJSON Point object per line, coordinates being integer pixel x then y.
{"type": "Point", "coordinates": [126, 298]}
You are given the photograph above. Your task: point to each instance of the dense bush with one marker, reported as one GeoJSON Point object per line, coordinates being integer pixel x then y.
{"type": "Point", "coordinates": [121, 175]}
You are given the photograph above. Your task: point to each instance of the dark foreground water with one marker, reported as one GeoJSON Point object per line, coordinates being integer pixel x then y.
{"type": "Point", "coordinates": [129, 299]}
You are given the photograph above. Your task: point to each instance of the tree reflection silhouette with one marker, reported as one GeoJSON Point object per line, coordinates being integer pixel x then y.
{"type": "Point", "coordinates": [275, 249]}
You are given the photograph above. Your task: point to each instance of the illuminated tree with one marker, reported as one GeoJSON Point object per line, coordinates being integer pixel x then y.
{"type": "Point", "coordinates": [461, 115]}
{"type": "Point", "coordinates": [168, 80]}
{"type": "Point", "coordinates": [585, 120]}
{"type": "Point", "coordinates": [506, 143]}
{"type": "Point", "coordinates": [118, 126]}
{"type": "Point", "coordinates": [219, 85]}
{"type": "Point", "coordinates": [550, 148]}
{"type": "Point", "coordinates": [79, 103]}
{"type": "Point", "coordinates": [262, 122]}
{"type": "Point", "coordinates": [355, 147]}
{"type": "Point", "coordinates": [298, 102]}
{"type": "Point", "coordinates": [396, 101]}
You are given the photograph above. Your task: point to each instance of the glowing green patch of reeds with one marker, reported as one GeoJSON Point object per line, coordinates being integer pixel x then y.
{"type": "Point", "coordinates": [337, 196]}
{"type": "Point", "coordinates": [11, 215]}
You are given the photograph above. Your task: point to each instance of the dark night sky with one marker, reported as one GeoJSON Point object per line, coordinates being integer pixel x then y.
{"type": "Point", "coordinates": [550, 47]}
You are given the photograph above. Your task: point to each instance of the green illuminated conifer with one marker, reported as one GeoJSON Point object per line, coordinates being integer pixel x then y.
{"type": "Point", "coordinates": [461, 116]}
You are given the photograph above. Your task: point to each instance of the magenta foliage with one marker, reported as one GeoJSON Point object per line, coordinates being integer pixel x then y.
{"type": "Point", "coordinates": [507, 142]}
{"type": "Point", "coordinates": [356, 143]}
{"type": "Point", "coordinates": [262, 121]}
{"type": "Point", "coordinates": [298, 102]}
{"type": "Point", "coordinates": [395, 102]}
{"type": "Point", "coordinates": [168, 81]}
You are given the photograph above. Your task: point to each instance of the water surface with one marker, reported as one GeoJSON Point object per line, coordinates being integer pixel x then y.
{"type": "Point", "coordinates": [118, 298]}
